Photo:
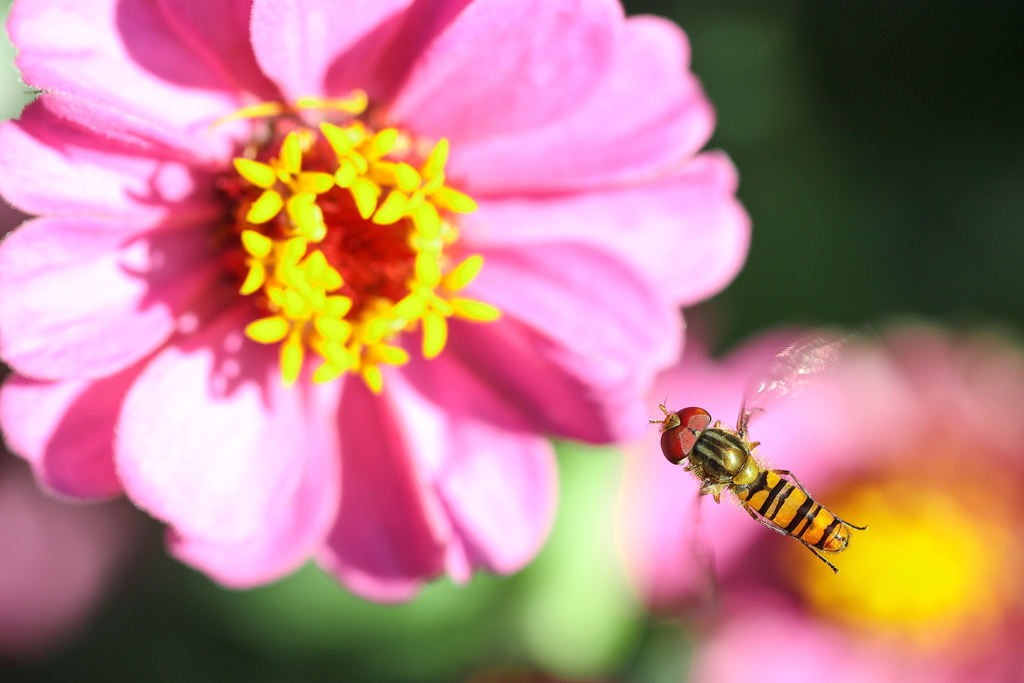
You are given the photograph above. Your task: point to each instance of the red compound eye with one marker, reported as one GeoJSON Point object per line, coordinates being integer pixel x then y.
{"type": "Point", "coordinates": [677, 442]}
{"type": "Point", "coordinates": [696, 419]}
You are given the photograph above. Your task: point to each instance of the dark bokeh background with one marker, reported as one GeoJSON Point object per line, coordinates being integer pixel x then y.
{"type": "Point", "coordinates": [881, 151]}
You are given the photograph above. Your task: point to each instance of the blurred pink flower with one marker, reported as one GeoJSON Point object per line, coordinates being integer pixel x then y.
{"type": "Point", "coordinates": [922, 439]}
{"type": "Point", "coordinates": [57, 561]}
{"type": "Point", "coordinates": [176, 160]}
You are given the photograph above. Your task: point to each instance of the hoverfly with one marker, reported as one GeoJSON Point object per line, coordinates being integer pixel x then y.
{"type": "Point", "coordinates": [722, 458]}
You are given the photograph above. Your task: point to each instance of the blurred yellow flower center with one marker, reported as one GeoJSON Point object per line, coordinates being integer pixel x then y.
{"type": "Point", "coordinates": [934, 565]}
{"type": "Point", "coordinates": [348, 239]}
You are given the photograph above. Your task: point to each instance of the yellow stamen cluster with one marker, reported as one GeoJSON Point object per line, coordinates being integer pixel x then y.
{"type": "Point", "coordinates": [283, 176]}
{"type": "Point", "coordinates": [936, 567]}
{"type": "Point", "coordinates": [301, 289]}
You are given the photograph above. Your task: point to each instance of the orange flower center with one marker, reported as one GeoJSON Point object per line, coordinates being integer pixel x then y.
{"type": "Point", "coordinates": [346, 237]}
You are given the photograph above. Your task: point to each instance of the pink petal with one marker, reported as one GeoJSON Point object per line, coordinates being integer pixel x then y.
{"type": "Point", "coordinates": [647, 115]}
{"type": "Point", "coordinates": [296, 533]}
{"type": "Point", "coordinates": [211, 148]}
{"type": "Point", "coordinates": [505, 65]}
{"type": "Point", "coordinates": [457, 564]}
{"type": "Point", "coordinates": [297, 42]}
{"type": "Point", "coordinates": [762, 627]}
{"type": "Point", "coordinates": [599, 326]}
{"type": "Point", "coordinates": [686, 233]}
{"type": "Point", "coordinates": [391, 532]}
{"type": "Point", "coordinates": [126, 54]}
{"type": "Point", "coordinates": [212, 443]}
{"type": "Point", "coordinates": [66, 430]}
{"type": "Point", "coordinates": [52, 167]}
{"type": "Point", "coordinates": [497, 478]}
{"type": "Point", "coordinates": [82, 297]}
{"type": "Point", "coordinates": [923, 376]}
{"type": "Point", "coordinates": [519, 362]}
{"type": "Point", "coordinates": [381, 61]}
{"type": "Point", "coordinates": [217, 31]}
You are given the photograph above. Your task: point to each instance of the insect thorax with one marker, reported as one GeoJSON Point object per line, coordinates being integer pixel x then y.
{"type": "Point", "coordinates": [718, 455]}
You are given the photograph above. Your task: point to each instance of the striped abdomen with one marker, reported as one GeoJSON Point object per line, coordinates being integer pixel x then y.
{"type": "Point", "coordinates": [788, 508]}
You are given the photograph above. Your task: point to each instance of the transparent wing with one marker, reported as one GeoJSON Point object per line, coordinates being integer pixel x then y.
{"type": "Point", "coordinates": [791, 372]}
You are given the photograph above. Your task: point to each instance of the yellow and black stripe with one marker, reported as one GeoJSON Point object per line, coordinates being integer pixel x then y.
{"type": "Point", "coordinates": [786, 507]}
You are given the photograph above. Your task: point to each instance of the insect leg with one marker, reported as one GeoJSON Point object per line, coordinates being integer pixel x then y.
{"type": "Point", "coordinates": [774, 527]}
{"type": "Point", "coordinates": [713, 489]}
{"type": "Point", "coordinates": [819, 555]}
{"type": "Point", "coordinates": [852, 526]}
{"type": "Point", "coordinates": [664, 410]}
{"type": "Point", "coordinates": [795, 481]}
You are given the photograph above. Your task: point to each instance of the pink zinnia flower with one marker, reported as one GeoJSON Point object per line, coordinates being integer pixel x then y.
{"type": "Point", "coordinates": [921, 439]}
{"type": "Point", "coordinates": [316, 279]}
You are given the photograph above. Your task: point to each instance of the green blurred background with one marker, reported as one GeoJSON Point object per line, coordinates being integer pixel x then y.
{"type": "Point", "coordinates": [881, 156]}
